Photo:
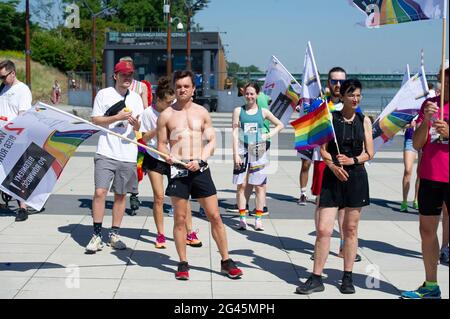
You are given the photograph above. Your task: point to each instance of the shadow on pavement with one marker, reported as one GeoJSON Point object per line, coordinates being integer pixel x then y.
{"type": "Point", "coordinates": [25, 266]}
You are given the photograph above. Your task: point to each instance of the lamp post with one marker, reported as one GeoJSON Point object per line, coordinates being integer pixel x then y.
{"type": "Point", "coordinates": [167, 10]}
{"type": "Point", "coordinates": [27, 44]}
{"type": "Point", "coordinates": [190, 10]}
{"type": "Point", "coordinates": [94, 16]}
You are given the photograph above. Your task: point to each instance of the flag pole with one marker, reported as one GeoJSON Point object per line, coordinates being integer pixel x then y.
{"type": "Point", "coordinates": [281, 64]}
{"type": "Point", "coordinates": [100, 128]}
{"type": "Point", "coordinates": [444, 37]}
{"type": "Point", "coordinates": [316, 74]}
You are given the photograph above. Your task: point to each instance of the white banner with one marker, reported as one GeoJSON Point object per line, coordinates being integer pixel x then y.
{"type": "Point", "coordinates": [34, 149]}
{"type": "Point", "coordinates": [283, 89]}
{"type": "Point", "coordinates": [312, 87]}
{"type": "Point", "coordinates": [401, 110]}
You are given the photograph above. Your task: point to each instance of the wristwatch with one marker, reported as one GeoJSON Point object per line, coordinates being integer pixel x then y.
{"type": "Point", "coordinates": [202, 163]}
{"type": "Point", "coordinates": [355, 159]}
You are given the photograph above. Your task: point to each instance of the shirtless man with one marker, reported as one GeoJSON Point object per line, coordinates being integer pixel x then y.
{"type": "Point", "coordinates": [187, 127]}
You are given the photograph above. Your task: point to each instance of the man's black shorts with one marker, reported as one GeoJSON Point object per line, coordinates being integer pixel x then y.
{"type": "Point", "coordinates": [152, 164]}
{"type": "Point", "coordinates": [431, 197]}
{"type": "Point", "coordinates": [197, 185]}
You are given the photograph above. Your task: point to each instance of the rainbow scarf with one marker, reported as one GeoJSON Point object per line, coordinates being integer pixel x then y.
{"type": "Point", "coordinates": [313, 129]}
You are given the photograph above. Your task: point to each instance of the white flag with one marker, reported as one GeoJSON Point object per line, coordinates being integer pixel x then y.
{"type": "Point", "coordinates": [34, 149]}
{"type": "Point", "coordinates": [312, 87]}
{"type": "Point", "coordinates": [283, 90]}
{"type": "Point", "coordinates": [407, 75]}
{"type": "Point", "coordinates": [403, 108]}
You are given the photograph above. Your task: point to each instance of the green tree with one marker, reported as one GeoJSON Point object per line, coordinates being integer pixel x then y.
{"type": "Point", "coordinates": [12, 26]}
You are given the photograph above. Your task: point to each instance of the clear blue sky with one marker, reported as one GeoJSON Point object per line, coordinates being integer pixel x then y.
{"type": "Point", "coordinates": [257, 29]}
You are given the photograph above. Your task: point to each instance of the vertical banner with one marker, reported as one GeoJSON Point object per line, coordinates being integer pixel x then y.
{"type": "Point", "coordinates": [283, 89]}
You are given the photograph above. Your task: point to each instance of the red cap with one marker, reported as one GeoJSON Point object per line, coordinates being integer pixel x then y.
{"type": "Point", "coordinates": [124, 67]}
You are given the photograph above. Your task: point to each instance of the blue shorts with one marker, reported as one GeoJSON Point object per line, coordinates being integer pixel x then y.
{"type": "Point", "coordinates": [408, 146]}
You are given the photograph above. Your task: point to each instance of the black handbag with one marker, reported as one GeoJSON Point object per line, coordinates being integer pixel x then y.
{"type": "Point", "coordinates": [116, 108]}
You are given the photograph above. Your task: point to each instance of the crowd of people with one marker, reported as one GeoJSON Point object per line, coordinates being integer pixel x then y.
{"type": "Point", "coordinates": [181, 136]}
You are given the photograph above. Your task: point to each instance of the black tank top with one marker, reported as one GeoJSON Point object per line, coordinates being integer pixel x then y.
{"type": "Point", "coordinates": [349, 135]}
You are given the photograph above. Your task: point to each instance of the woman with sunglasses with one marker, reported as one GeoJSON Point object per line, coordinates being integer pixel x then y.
{"type": "Point", "coordinates": [345, 185]}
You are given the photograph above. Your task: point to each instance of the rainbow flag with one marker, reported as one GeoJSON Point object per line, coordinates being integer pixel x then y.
{"type": "Point", "coordinates": [313, 129]}
{"type": "Point", "coordinates": [383, 12]}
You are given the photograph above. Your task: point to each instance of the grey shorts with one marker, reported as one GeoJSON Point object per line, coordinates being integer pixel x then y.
{"type": "Point", "coordinates": [122, 174]}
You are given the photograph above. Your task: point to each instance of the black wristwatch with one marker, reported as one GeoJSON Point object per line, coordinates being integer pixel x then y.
{"type": "Point", "coordinates": [202, 163]}
{"type": "Point", "coordinates": [355, 159]}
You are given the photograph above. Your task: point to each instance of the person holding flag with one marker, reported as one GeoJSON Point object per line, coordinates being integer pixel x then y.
{"type": "Point", "coordinates": [431, 136]}
{"type": "Point", "coordinates": [15, 99]}
{"type": "Point", "coordinates": [345, 185]}
{"type": "Point", "coordinates": [336, 76]}
{"type": "Point", "coordinates": [249, 152]}
{"type": "Point", "coordinates": [156, 167]}
{"type": "Point", "coordinates": [115, 160]}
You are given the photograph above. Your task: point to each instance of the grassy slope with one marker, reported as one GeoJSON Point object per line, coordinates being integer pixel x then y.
{"type": "Point", "coordinates": [42, 77]}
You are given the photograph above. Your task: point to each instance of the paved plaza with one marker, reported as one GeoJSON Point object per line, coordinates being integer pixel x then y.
{"type": "Point", "coordinates": [44, 257]}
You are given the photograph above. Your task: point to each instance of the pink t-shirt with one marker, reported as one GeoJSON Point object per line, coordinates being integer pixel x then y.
{"type": "Point", "coordinates": [435, 161]}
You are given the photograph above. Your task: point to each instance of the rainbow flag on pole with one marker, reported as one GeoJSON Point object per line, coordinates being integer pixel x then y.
{"type": "Point", "coordinates": [313, 129]}
{"type": "Point", "coordinates": [383, 12]}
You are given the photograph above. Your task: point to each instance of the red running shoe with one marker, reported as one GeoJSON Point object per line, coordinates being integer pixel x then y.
{"type": "Point", "coordinates": [183, 271]}
{"type": "Point", "coordinates": [229, 268]}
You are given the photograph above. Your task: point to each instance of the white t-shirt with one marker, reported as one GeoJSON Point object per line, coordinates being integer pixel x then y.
{"type": "Point", "coordinates": [14, 99]}
{"type": "Point", "coordinates": [148, 123]}
{"type": "Point", "coordinates": [112, 146]}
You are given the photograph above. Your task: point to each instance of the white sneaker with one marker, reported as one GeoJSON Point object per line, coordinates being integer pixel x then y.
{"type": "Point", "coordinates": [259, 225]}
{"type": "Point", "coordinates": [302, 201]}
{"type": "Point", "coordinates": [242, 224]}
{"type": "Point", "coordinates": [116, 243]}
{"type": "Point", "coordinates": [94, 245]}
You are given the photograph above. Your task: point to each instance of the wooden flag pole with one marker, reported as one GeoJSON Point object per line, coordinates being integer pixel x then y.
{"type": "Point", "coordinates": [444, 42]}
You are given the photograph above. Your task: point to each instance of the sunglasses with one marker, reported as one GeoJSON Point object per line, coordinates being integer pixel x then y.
{"type": "Point", "coordinates": [335, 82]}
{"type": "Point", "coordinates": [3, 77]}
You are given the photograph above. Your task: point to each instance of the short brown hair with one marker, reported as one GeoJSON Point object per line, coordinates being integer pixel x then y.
{"type": "Point", "coordinates": [8, 65]}
{"type": "Point", "coordinates": [183, 74]}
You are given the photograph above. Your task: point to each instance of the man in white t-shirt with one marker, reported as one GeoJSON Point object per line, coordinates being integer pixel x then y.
{"type": "Point", "coordinates": [15, 98]}
{"type": "Point", "coordinates": [115, 160]}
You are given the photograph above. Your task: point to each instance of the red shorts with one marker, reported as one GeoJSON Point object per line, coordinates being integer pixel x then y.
{"type": "Point", "coordinates": [319, 168]}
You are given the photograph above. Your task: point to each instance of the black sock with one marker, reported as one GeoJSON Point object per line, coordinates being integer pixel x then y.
{"type": "Point", "coordinates": [348, 274]}
{"type": "Point", "coordinates": [98, 229]}
{"type": "Point", "coordinates": [316, 277]}
{"type": "Point", "coordinates": [114, 230]}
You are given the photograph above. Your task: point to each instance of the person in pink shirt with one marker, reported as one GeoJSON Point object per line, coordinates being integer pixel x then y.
{"type": "Point", "coordinates": [431, 136]}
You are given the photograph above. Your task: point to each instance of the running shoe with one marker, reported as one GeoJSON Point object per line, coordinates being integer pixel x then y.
{"type": "Point", "coordinates": [313, 284]}
{"type": "Point", "coordinates": [192, 239]}
{"type": "Point", "coordinates": [94, 245]}
{"type": "Point", "coordinates": [443, 258]}
{"type": "Point", "coordinates": [302, 201]}
{"type": "Point", "coordinates": [183, 271]}
{"type": "Point", "coordinates": [115, 242]}
{"type": "Point", "coordinates": [341, 255]}
{"type": "Point", "coordinates": [242, 224]}
{"type": "Point", "coordinates": [160, 242]}
{"type": "Point", "coordinates": [259, 224]}
{"type": "Point", "coordinates": [423, 292]}
{"type": "Point", "coordinates": [416, 205]}
{"type": "Point", "coordinates": [404, 207]}
{"type": "Point", "coordinates": [22, 215]}
{"type": "Point", "coordinates": [265, 212]}
{"type": "Point", "coordinates": [347, 287]}
{"type": "Point", "coordinates": [229, 268]}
